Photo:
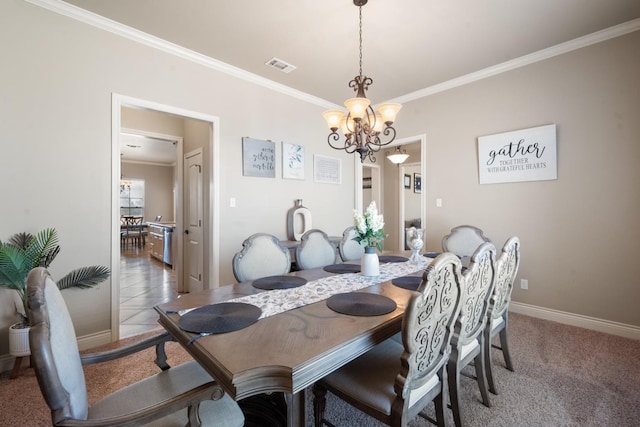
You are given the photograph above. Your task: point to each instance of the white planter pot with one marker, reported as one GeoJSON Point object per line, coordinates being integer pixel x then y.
{"type": "Point", "coordinates": [370, 263]}
{"type": "Point", "coordinates": [19, 340]}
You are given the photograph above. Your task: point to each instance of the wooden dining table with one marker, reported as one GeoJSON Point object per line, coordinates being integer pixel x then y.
{"type": "Point", "coordinates": [288, 351]}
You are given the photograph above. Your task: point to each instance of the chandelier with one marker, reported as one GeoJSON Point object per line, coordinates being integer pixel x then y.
{"type": "Point", "coordinates": [362, 126]}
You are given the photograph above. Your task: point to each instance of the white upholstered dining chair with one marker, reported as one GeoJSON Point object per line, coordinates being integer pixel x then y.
{"type": "Point", "coordinates": [463, 240]}
{"type": "Point", "coordinates": [506, 269]}
{"type": "Point", "coordinates": [262, 255]}
{"type": "Point", "coordinates": [315, 250]}
{"type": "Point", "coordinates": [468, 338]}
{"type": "Point", "coordinates": [393, 382]}
{"type": "Point", "coordinates": [178, 396]}
{"type": "Point", "coordinates": [349, 249]}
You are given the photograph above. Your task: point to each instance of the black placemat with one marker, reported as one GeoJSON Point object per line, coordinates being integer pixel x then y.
{"type": "Point", "coordinates": [361, 304]}
{"type": "Point", "coordinates": [279, 282]}
{"type": "Point", "coordinates": [407, 282]}
{"type": "Point", "coordinates": [342, 268]}
{"type": "Point", "coordinates": [431, 254]}
{"type": "Point", "coordinates": [219, 318]}
{"type": "Point", "coordinates": [392, 258]}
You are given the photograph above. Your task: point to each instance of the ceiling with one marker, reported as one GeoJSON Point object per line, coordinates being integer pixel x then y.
{"type": "Point", "coordinates": [146, 149]}
{"type": "Point", "coordinates": [409, 46]}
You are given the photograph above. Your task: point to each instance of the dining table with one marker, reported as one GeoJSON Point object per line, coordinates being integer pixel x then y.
{"type": "Point", "coordinates": [294, 331]}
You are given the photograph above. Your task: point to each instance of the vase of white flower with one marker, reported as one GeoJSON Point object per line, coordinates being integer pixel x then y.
{"type": "Point", "coordinates": [370, 235]}
{"type": "Point", "coordinates": [370, 263]}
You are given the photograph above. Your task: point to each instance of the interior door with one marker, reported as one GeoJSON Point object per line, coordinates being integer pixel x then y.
{"type": "Point", "coordinates": [193, 260]}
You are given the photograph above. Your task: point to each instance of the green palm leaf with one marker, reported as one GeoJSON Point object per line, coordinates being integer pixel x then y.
{"type": "Point", "coordinates": [85, 277]}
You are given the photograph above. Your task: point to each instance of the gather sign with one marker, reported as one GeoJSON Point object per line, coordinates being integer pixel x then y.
{"type": "Point", "coordinates": [522, 155]}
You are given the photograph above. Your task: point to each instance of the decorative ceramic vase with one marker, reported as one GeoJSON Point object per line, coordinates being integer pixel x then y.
{"type": "Point", "coordinates": [370, 263]}
{"type": "Point", "coordinates": [298, 221]}
{"type": "Point", "coordinates": [19, 340]}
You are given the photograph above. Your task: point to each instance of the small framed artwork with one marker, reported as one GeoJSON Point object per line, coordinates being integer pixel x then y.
{"type": "Point", "coordinates": [407, 181]}
{"type": "Point", "coordinates": [292, 161]}
{"type": "Point", "coordinates": [417, 183]}
{"type": "Point", "coordinates": [258, 157]}
{"type": "Point", "coordinates": [366, 182]}
{"type": "Point", "coordinates": [327, 170]}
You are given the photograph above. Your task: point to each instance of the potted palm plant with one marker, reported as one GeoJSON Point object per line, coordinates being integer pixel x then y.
{"type": "Point", "coordinates": [23, 252]}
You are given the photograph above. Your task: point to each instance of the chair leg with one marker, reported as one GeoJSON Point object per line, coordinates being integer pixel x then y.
{"type": "Point", "coordinates": [504, 343]}
{"type": "Point", "coordinates": [454, 396]}
{"type": "Point", "coordinates": [481, 376]}
{"type": "Point", "coordinates": [439, 402]}
{"type": "Point", "coordinates": [487, 360]}
{"type": "Point", "coordinates": [319, 404]}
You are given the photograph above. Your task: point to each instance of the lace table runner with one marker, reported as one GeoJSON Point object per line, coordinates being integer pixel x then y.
{"type": "Point", "coordinates": [281, 300]}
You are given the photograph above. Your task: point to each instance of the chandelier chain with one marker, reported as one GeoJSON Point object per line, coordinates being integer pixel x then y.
{"type": "Point", "coordinates": [360, 33]}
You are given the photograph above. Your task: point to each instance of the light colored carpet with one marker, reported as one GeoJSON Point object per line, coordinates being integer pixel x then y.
{"type": "Point", "coordinates": [564, 376]}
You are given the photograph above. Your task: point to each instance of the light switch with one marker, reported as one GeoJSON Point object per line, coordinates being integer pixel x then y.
{"type": "Point", "coordinates": [438, 203]}
{"type": "Point", "coordinates": [232, 202]}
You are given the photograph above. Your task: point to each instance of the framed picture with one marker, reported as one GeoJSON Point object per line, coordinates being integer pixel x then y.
{"type": "Point", "coordinates": [407, 181]}
{"type": "Point", "coordinates": [292, 161]}
{"type": "Point", "coordinates": [417, 183]}
{"type": "Point", "coordinates": [327, 170]}
{"type": "Point", "coordinates": [366, 182]}
{"type": "Point", "coordinates": [258, 157]}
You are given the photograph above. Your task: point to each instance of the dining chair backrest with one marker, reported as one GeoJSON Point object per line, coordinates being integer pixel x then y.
{"type": "Point", "coordinates": [478, 287]}
{"type": "Point", "coordinates": [428, 326]}
{"type": "Point", "coordinates": [54, 349]}
{"type": "Point", "coordinates": [349, 249]}
{"type": "Point", "coordinates": [507, 266]}
{"type": "Point", "coordinates": [262, 255]}
{"type": "Point", "coordinates": [315, 250]}
{"type": "Point", "coordinates": [463, 240]}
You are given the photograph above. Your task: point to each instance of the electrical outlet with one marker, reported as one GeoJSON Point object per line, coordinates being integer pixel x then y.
{"type": "Point", "coordinates": [524, 284]}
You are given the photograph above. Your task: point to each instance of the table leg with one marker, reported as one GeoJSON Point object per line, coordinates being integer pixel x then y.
{"type": "Point", "coordinates": [295, 409]}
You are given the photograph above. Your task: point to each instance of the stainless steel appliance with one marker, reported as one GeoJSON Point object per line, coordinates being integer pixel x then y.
{"type": "Point", "coordinates": [168, 256]}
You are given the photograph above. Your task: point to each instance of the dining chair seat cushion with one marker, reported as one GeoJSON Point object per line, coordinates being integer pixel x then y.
{"type": "Point", "coordinates": [163, 386]}
{"type": "Point", "coordinates": [496, 323]}
{"type": "Point", "coordinates": [362, 379]}
{"type": "Point", "coordinates": [468, 348]}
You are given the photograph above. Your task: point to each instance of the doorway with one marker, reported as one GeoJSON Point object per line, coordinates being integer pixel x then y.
{"type": "Point", "coordinates": [210, 220]}
{"type": "Point", "coordinates": [392, 188]}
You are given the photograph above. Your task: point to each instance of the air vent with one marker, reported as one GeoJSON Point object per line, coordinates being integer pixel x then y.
{"type": "Point", "coordinates": [279, 64]}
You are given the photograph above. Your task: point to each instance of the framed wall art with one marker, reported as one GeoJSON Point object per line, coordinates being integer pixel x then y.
{"type": "Point", "coordinates": [258, 158]}
{"type": "Point", "coordinates": [327, 169]}
{"type": "Point", "coordinates": [417, 183]}
{"type": "Point", "coordinates": [522, 155]}
{"type": "Point", "coordinates": [292, 161]}
{"type": "Point", "coordinates": [407, 181]}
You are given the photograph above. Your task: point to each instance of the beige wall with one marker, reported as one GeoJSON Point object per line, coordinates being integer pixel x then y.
{"type": "Point", "coordinates": [579, 233]}
{"type": "Point", "coordinates": [57, 145]}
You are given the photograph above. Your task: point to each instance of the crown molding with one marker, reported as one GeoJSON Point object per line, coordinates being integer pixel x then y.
{"type": "Point", "coordinates": [114, 27]}
{"type": "Point", "coordinates": [541, 55]}
{"type": "Point", "coordinates": [98, 21]}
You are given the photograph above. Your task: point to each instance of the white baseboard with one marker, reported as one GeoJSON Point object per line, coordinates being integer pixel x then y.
{"type": "Point", "coordinates": [592, 323]}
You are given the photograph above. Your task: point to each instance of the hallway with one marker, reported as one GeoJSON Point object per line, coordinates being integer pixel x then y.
{"type": "Point", "coordinates": [144, 282]}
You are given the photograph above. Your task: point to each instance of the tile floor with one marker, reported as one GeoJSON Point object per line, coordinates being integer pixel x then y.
{"type": "Point", "coordinates": [144, 282]}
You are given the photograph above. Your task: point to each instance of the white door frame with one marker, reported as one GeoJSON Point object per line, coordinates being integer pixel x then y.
{"type": "Point", "coordinates": [212, 202]}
